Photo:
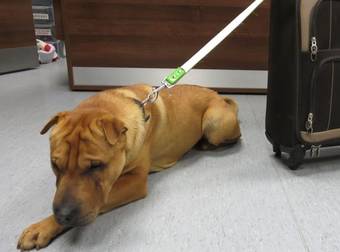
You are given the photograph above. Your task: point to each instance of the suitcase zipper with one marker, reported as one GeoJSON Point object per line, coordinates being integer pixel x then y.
{"type": "Point", "coordinates": [309, 123]}
{"type": "Point", "coordinates": [314, 44]}
{"type": "Point", "coordinates": [314, 49]}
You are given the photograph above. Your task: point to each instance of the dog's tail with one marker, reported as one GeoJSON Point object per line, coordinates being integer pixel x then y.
{"type": "Point", "coordinates": [233, 105]}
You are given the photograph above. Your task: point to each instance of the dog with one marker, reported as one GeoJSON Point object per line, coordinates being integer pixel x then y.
{"type": "Point", "coordinates": [104, 149]}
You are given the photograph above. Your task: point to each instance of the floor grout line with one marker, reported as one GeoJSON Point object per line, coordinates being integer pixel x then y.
{"type": "Point", "coordinates": [299, 228]}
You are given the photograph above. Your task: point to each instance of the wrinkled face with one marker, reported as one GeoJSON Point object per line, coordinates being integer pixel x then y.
{"type": "Point", "coordinates": [87, 157]}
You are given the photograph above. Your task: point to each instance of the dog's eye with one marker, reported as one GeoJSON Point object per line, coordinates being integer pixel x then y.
{"type": "Point", "coordinates": [95, 166]}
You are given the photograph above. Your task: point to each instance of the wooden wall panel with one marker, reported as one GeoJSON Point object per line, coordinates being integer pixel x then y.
{"type": "Point", "coordinates": [140, 33]}
{"type": "Point", "coordinates": [157, 52]}
{"type": "Point", "coordinates": [16, 24]}
{"type": "Point", "coordinates": [228, 3]}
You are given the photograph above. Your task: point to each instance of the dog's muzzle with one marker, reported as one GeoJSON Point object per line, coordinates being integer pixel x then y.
{"type": "Point", "coordinates": [67, 214]}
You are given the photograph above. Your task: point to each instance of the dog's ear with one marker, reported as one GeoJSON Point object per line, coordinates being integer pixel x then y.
{"type": "Point", "coordinates": [54, 120]}
{"type": "Point", "coordinates": [113, 129]}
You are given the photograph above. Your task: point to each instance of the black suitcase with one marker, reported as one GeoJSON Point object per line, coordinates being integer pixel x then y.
{"type": "Point", "coordinates": [303, 103]}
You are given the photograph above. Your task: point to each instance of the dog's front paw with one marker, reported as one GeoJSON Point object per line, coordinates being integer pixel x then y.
{"type": "Point", "coordinates": [39, 234]}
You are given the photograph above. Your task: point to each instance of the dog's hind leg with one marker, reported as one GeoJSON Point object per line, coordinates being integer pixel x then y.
{"type": "Point", "coordinates": [220, 124]}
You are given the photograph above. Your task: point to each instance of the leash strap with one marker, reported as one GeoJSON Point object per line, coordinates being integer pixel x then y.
{"type": "Point", "coordinates": [180, 72]}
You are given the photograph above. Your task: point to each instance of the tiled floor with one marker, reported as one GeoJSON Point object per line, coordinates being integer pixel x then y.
{"type": "Point", "coordinates": [237, 199]}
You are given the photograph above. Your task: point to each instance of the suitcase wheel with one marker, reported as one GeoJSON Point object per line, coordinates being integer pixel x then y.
{"type": "Point", "coordinates": [277, 150]}
{"type": "Point", "coordinates": [296, 157]}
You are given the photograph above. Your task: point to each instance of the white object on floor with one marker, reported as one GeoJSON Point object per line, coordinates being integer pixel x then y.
{"type": "Point", "coordinates": [47, 52]}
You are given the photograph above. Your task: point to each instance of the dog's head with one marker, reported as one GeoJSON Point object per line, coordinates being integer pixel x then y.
{"type": "Point", "coordinates": [87, 156]}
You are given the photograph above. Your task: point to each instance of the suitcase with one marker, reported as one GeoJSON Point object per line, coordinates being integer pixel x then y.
{"type": "Point", "coordinates": [303, 103]}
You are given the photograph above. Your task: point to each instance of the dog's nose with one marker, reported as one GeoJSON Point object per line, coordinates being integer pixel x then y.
{"type": "Point", "coordinates": [66, 214]}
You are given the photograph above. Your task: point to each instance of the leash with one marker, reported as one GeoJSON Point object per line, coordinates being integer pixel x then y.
{"type": "Point", "coordinates": [180, 72]}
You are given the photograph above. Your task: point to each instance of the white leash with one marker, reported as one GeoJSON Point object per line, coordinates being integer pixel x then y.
{"type": "Point", "coordinates": [179, 73]}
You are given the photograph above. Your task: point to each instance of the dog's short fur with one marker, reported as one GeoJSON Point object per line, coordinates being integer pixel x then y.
{"type": "Point", "coordinates": [103, 150]}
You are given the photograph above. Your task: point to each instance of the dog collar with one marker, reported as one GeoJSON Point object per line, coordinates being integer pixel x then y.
{"type": "Point", "coordinates": [141, 106]}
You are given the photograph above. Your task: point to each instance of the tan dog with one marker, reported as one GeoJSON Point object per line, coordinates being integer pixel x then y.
{"type": "Point", "coordinates": [104, 149]}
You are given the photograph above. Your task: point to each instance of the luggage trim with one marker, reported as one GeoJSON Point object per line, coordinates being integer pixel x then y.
{"type": "Point", "coordinates": [314, 77]}
{"type": "Point", "coordinates": [332, 97]}
{"type": "Point", "coordinates": [320, 137]}
{"type": "Point", "coordinates": [306, 8]}
{"type": "Point", "coordinates": [330, 23]}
